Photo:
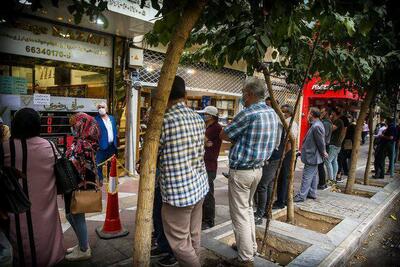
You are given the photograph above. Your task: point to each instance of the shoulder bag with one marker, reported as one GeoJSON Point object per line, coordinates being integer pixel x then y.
{"type": "Point", "coordinates": [64, 170]}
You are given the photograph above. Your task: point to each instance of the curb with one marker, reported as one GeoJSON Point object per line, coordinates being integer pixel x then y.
{"type": "Point", "coordinates": [342, 254]}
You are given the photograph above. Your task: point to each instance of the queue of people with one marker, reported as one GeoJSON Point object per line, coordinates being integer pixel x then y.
{"type": "Point", "coordinates": [184, 201]}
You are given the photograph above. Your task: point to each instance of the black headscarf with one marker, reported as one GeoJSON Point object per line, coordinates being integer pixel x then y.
{"type": "Point", "coordinates": [25, 124]}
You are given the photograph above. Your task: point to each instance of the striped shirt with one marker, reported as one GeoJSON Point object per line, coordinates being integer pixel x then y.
{"type": "Point", "coordinates": [183, 176]}
{"type": "Point", "coordinates": [254, 133]}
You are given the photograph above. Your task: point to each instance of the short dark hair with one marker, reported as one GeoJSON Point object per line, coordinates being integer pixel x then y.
{"type": "Point", "coordinates": [178, 89]}
{"type": "Point", "coordinates": [25, 124]}
{"type": "Point", "coordinates": [315, 112]}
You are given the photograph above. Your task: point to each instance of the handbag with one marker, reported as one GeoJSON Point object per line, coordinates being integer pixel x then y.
{"type": "Point", "coordinates": [64, 170]}
{"type": "Point", "coordinates": [12, 196]}
{"type": "Point", "coordinates": [86, 200]}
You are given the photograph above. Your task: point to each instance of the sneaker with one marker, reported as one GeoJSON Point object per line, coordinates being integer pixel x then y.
{"type": "Point", "coordinates": [70, 250]}
{"type": "Point", "coordinates": [322, 187]}
{"type": "Point", "coordinates": [205, 226]}
{"type": "Point", "coordinates": [258, 220]}
{"type": "Point", "coordinates": [298, 199]}
{"type": "Point", "coordinates": [168, 260]}
{"type": "Point", "coordinates": [277, 206]}
{"type": "Point", "coordinates": [311, 197]}
{"type": "Point", "coordinates": [79, 255]}
{"type": "Point", "coordinates": [157, 253]}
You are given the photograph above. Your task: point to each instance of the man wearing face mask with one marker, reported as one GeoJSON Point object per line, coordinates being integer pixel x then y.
{"type": "Point", "coordinates": [212, 148]}
{"type": "Point", "coordinates": [108, 137]}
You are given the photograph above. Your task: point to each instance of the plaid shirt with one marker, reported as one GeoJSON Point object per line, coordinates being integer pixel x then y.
{"type": "Point", "coordinates": [254, 133]}
{"type": "Point", "coordinates": [183, 176]}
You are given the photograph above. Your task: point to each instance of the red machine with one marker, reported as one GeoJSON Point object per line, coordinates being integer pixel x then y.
{"type": "Point", "coordinates": [316, 95]}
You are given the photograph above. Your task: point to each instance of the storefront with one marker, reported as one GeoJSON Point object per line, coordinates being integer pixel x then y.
{"type": "Point", "coordinates": [321, 95]}
{"type": "Point", "coordinates": [56, 70]}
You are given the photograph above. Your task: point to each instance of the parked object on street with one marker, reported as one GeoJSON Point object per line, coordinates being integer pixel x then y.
{"type": "Point", "coordinates": [313, 152]}
{"type": "Point", "coordinates": [253, 133]}
{"type": "Point", "coordinates": [34, 232]}
{"type": "Point", "coordinates": [112, 227]}
{"type": "Point", "coordinates": [82, 154]}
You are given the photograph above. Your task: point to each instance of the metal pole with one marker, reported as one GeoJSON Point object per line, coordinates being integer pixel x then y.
{"type": "Point", "coordinates": [394, 142]}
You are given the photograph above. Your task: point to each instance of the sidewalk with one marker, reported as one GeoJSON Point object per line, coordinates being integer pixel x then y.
{"type": "Point", "coordinates": [119, 251]}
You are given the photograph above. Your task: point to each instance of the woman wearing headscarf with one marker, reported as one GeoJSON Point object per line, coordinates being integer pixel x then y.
{"type": "Point", "coordinates": [36, 235]}
{"type": "Point", "coordinates": [82, 154]}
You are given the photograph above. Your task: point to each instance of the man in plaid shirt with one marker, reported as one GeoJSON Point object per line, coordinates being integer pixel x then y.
{"type": "Point", "coordinates": [253, 133]}
{"type": "Point", "coordinates": [183, 176]}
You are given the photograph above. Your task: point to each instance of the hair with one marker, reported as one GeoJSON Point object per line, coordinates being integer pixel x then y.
{"type": "Point", "coordinates": [25, 124]}
{"type": "Point", "coordinates": [336, 111]}
{"type": "Point", "coordinates": [102, 103]}
{"type": "Point", "coordinates": [289, 108]}
{"type": "Point", "coordinates": [390, 120]}
{"type": "Point", "coordinates": [178, 89]}
{"type": "Point", "coordinates": [315, 112]}
{"type": "Point", "coordinates": [256, 86]}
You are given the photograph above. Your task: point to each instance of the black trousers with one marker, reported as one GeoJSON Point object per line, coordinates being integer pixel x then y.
{"type": "Point", "coordinates": [380, 155]}
{"type": "Point", "coordinates": [283, 180]}
{"type": "Point", "coordinates": [159, 234]}
{"type": "Point", "coordinates": [321, 172]}
{"type": "Point", "coordinates": [209, 201]}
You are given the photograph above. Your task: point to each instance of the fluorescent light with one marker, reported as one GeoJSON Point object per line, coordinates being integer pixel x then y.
{"type": "Point", "coordinates": [99, 21]}
{"type": "Point", "coordinates": [25, 2]}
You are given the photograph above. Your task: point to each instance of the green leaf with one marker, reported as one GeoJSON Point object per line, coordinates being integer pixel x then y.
{"type": "Point", "coordinates": [349, 24]}
{"type": "Point", "coordinates": [265, 40]}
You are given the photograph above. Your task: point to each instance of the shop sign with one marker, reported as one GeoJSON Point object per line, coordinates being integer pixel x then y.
{"type": "Point", "coordinates": [132, 9]}
{"type": "Point", "coordinates": [320, 88]}
{"type": "Point", "coordinates": [41, 40]}
{"type": "Point", "coordinates": [135, 57]}
{"type": "Point", "coordinates": [13, 85]}
{"type": "Point", "coordinates": [41, 99]}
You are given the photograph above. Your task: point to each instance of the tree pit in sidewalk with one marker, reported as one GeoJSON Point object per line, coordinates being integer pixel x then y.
{"type": "Point", "coordinates": [310, 220]}
{"type": "Point", "coordinates": [355, 192]}
{"type": "Point", "coordinates": [279, 249]}
{"type": "Point", "coordinates": [372, 182]}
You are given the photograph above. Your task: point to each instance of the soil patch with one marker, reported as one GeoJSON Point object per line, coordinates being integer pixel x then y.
{"type": "Point", "coordinates": [278, 249]}
{"type": "Point", "coordinates": [356, 192]}
{"type": "Point", "coordinates": [312, 221]}
{"type": "Point", "coordinates": [372, 183]}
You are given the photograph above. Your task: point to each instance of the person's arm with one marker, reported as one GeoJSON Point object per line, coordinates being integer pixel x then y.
{"type": "Point", "coordinates": [319, 139]}
{"type": "Point", "coordinates": [238, 126]}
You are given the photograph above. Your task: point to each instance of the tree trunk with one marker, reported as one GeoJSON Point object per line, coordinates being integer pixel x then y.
{"type": "Point", "coordinates": [290, 185]}
{"type": "Point", "coordinates": [142, 241]}
{"type": "Point", "coordinates": [370, 146]}
{"type": "Point", "coordinates": [357, 139]}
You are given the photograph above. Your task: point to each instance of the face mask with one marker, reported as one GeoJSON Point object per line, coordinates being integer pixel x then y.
{"type": "Point", "coordinates": [102, 111]}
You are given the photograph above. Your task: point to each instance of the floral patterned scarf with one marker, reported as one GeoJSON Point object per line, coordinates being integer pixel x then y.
{"type": "Point", "coordinates": [85, 144]}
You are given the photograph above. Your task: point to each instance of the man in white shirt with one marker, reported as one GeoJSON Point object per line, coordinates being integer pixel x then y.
{"type": "Point", "coordinates": [108, 137]}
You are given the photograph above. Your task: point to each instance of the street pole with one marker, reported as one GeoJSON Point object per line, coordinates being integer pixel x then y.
{"type": "Point", "coordinates": [394, 143]}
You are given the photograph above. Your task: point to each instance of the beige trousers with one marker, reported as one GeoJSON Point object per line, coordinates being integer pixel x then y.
{"type": "Point", "coordinates": [182, 227]}
{"type": "Point", "coordinates": [241, 188]}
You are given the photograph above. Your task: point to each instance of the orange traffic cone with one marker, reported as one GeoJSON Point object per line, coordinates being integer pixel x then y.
{"type": "Point", "coordinates": [112, 227]}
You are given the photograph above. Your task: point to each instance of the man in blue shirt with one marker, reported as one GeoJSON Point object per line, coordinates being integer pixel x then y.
{"type": "Point", "coordinates": [253, 133]}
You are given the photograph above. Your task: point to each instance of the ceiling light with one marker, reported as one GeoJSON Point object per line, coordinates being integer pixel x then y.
{"type": "Point", "coordinates": [25, 2]}
{"type": "Point", "coordinates": [99, 21]}
{"type": "Point", "coordinates": [190, 71]}
{"type": "Point", "coordinates": [60, 18]}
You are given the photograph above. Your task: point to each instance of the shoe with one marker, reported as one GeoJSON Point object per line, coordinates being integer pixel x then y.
{"type": "Point", "coordinates": [158, 253]}
{"type": "Point", "coordinates": [322, 187]}
{"type": "Point", "coordinates": [375, 177]}
{"type": "Point", "coordinates": [277, 206]}
{"type": "Point", "coordinates": [226, 175]}
{"type": "Point", "coordinates": [239, 263]}
{"type": "Point", "coordinates": [70, 250]}
{"type": "Point", "coordinates": [235, 248]}
{"type": "Point", "coordinates": [79, 255]}
{"type": "Point", "coordinates": [258, 220]}
{"type": "Point", "coordinates": [205, 226]}
{"type": "Point", "coordinates": [168, 260]}
{"type": "Point", "coordinates": [339, 179]}
{"type": "Point", "coordinates": [311, 197]}
{"type": "Point", "coordinates": [298, 199]}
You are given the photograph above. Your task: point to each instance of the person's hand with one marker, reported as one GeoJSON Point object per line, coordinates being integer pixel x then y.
{"type": "Point", "coordinates": [209, 144]}
{"type": "Point", "coordinates": [325, 155]}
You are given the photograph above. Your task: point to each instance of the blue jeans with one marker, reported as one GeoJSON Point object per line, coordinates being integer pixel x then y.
{"type": "Point", "coordinates": [78, 224]}
{"type": "Point", "coordinates": [103, 155]}
{"type": "Point", "coordinates": [332, 162]}
{"type": "Point", "coordinates": [309, 182]}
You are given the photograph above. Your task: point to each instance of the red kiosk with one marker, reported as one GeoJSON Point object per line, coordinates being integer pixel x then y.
{"type": "Point", "coordinates": [320, 95]}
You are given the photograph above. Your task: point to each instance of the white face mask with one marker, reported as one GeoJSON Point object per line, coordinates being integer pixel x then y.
{"type": "Point", "coordinates": [102, 111]}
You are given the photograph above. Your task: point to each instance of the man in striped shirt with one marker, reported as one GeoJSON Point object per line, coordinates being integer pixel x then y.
{"type": "Point", "coordinates": [183, 176]}
{"type": "Point", "coordinates": [253, 133]}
